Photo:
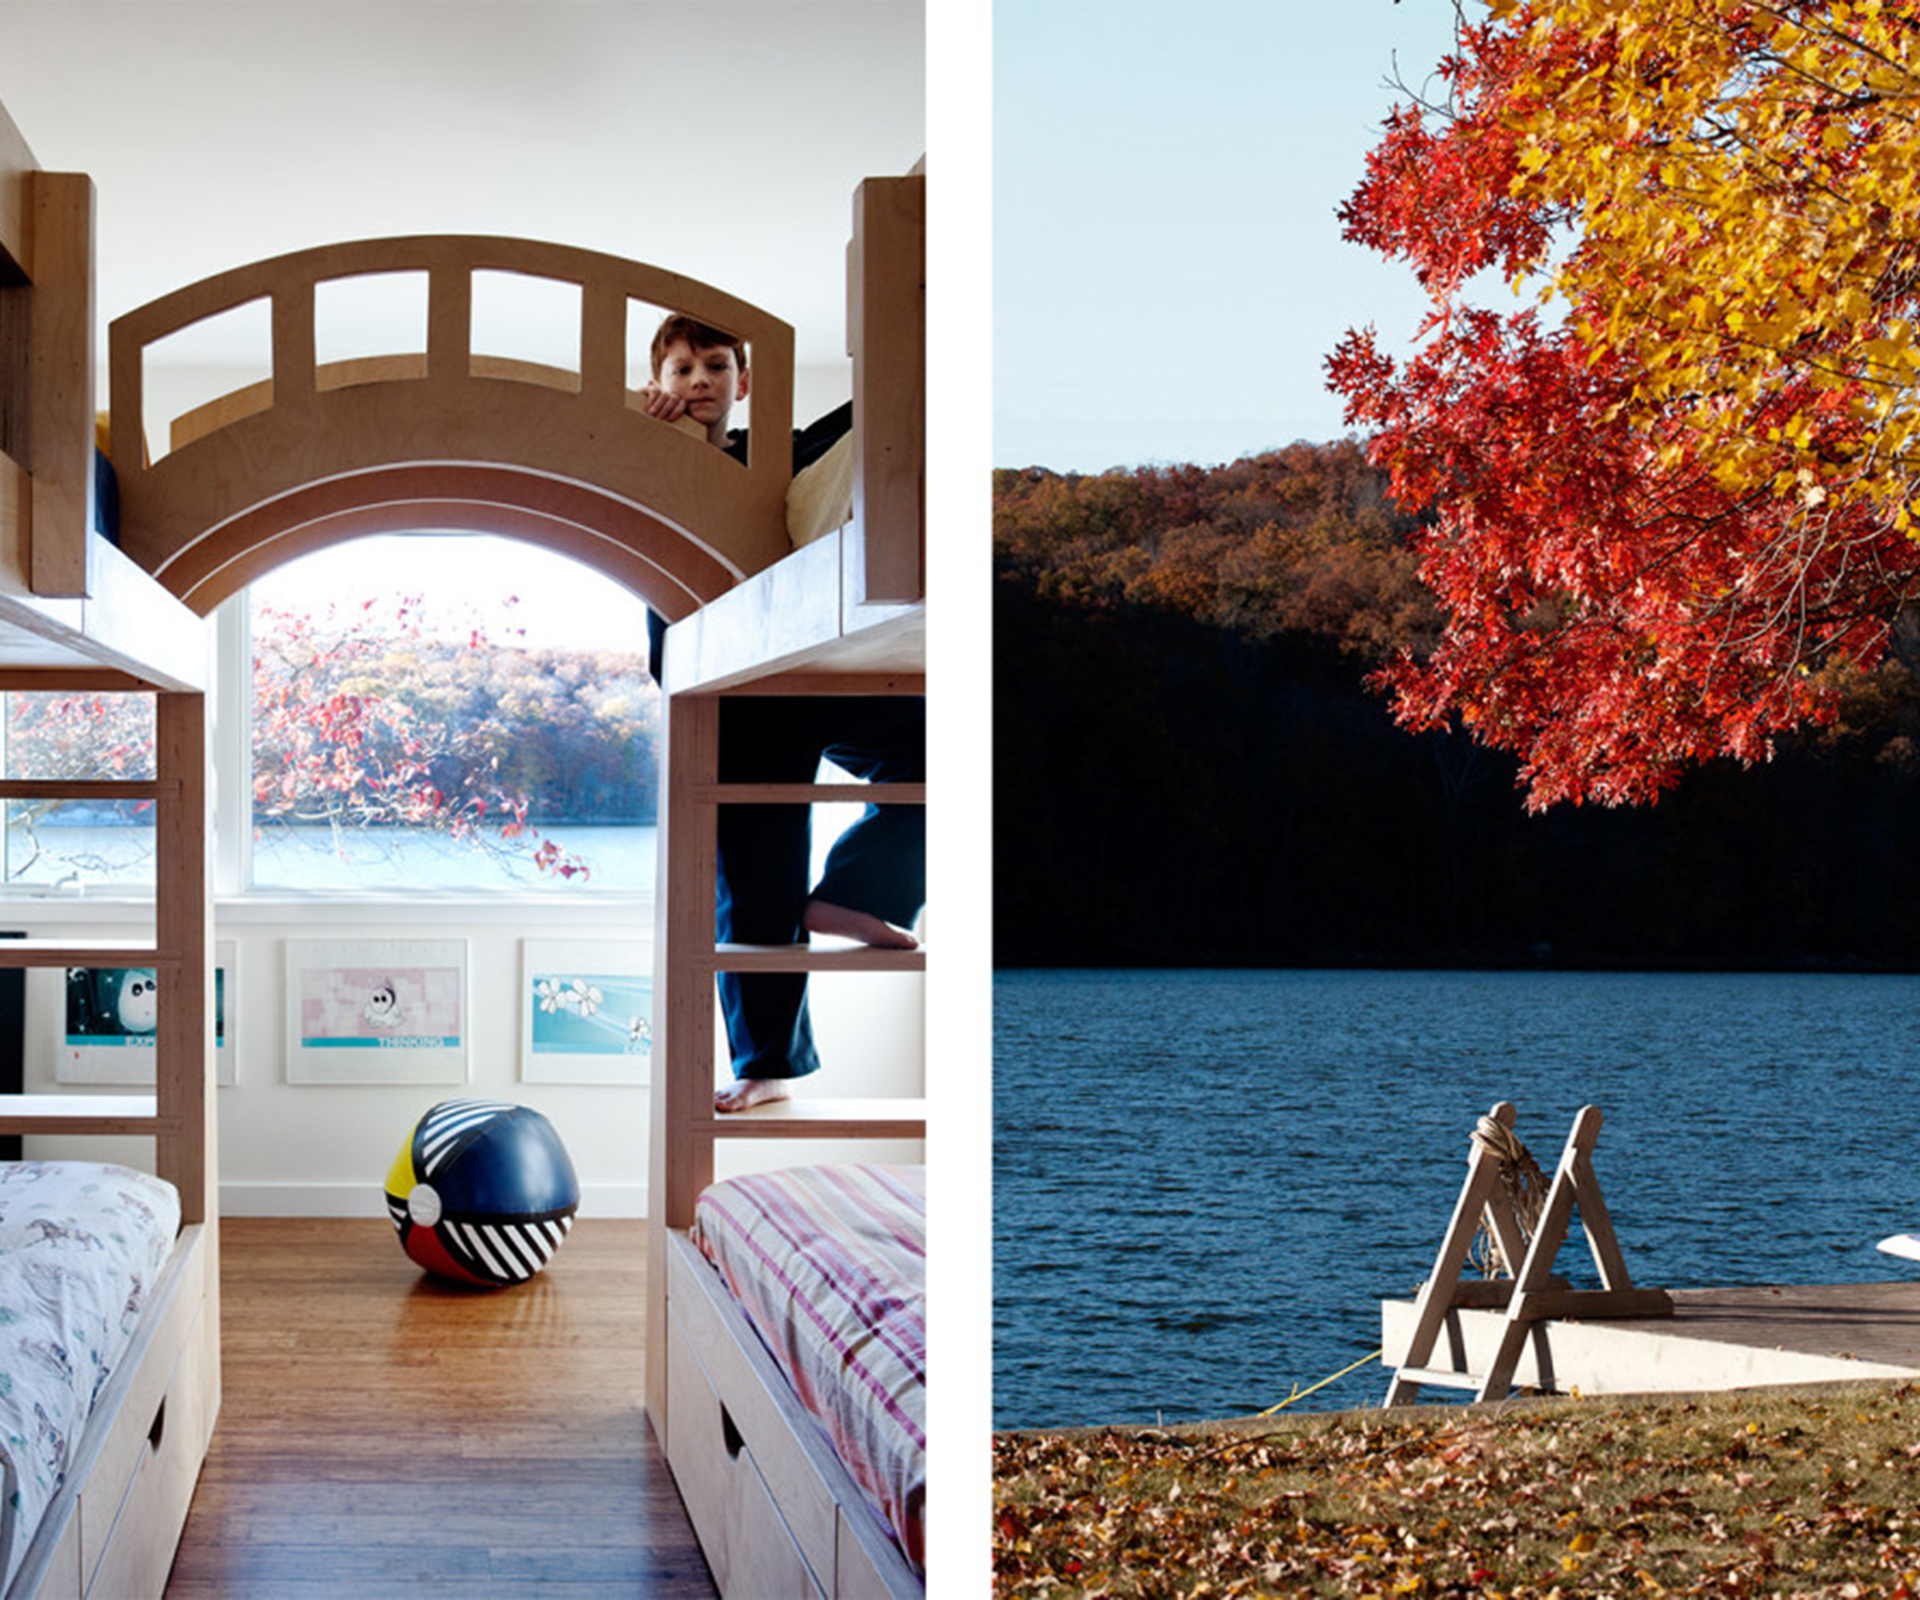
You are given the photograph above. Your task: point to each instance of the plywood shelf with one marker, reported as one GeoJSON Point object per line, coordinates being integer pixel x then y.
{"type": "Point", "coordinates": [806, 794]}
{"type": "Point", "coordinates": [87, 789]}
{"type": "Point", "coordinates": [83, 953]}
{"type": "Point", "coordinates": [79, 1113]}
{"type": "Point", "coordinates": [812, 958]}
{"type": "Point", "coordinates": [822, 1119]}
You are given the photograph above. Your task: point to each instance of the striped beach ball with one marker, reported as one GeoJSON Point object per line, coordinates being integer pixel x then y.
{"type": "Point", "coordinates": [482, 1191]}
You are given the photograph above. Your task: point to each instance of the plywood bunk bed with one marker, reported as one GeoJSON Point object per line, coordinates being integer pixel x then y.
{"type": "Point", "coordinates": [777, 1508]}
{"type": "Point", "coordinates": [97, 1489]}
{"type": "Point", "coordinates": [764, 594]}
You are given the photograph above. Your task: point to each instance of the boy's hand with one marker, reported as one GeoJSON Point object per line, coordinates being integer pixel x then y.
{"type": "Point", "coordinates": [661, 406]}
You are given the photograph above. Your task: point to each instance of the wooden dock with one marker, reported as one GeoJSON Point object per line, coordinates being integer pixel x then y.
{"type": "Point", "coordinates": [1715, 1339]}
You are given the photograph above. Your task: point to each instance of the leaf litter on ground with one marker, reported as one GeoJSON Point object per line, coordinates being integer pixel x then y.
{"type": "Point", "coordinates": [1762, 1492]}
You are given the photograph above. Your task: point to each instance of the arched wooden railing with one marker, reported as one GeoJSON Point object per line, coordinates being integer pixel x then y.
{"type": "Point", "coordinates": [448, 437]}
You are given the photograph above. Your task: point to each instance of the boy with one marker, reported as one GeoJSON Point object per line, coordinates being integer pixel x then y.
{"type": "Point", "coordinates": [875, 877]}
{"type": "Point", "coordinates": [698, 372]}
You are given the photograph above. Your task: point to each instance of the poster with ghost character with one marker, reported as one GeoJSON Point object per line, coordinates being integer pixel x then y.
{"type": "Point", "coordinates": [110, 1018]}
{"type": "Point", "coordinates": [376, 1011]}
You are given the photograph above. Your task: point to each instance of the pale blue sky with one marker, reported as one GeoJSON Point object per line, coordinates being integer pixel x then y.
{"type": "Point", "coordinates": [1168, 269]}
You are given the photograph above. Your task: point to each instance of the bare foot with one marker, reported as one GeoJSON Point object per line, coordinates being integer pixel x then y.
{"type": "Point", "coordinates": [843, 922]}
{"type": "Point", "coordinates": [745, 1092]}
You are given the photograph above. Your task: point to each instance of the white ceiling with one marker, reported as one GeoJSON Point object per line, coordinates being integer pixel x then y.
{"type": "Point", "coordinates": [718, 138]}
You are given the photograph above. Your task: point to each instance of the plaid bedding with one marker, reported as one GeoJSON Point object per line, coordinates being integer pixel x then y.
{"type": "Point", "coordinates": [81, 1245]}
{"type": "Point", "coordinates": [829, 1264]}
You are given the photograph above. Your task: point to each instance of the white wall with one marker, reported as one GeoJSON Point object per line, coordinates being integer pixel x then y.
{"type": "Point", "coordinates": [323, 1150]}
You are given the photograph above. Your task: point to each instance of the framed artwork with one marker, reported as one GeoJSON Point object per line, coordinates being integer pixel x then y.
{"type": "Point", "coordinates": [376, 1011]}
{"type": "Point", "coordinates": [586, 1008]}
{"type": "Point", "coordinates": [108, 1017]}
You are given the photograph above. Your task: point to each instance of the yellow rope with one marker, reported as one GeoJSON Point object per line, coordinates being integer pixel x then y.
{"type": "Point", "coordinates": [1301, 1394]}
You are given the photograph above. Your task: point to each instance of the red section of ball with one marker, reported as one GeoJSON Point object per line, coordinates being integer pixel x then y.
{"type": "Point", "coordinates": [424, 1247]}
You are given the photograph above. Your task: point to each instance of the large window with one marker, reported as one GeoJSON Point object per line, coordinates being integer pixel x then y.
{"type": "Point", "coordinates": [450, 712]}
{"type": "Point", "coordinates": [426, 711]}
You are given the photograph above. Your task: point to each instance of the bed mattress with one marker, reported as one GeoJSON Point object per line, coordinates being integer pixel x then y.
{"type": "Point", "coordinates": [829, 1265]}
{"type": "Point", "coordinates": [81, 1246]}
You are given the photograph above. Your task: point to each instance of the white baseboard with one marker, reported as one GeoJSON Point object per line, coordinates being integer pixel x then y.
{"type": "Point", "coordinates": [367, 1200]}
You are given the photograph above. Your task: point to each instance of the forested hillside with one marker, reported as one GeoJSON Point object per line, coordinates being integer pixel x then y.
{"type": "Point", "coordinates": [1191, 767]}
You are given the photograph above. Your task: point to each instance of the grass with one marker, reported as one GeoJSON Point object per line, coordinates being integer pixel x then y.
{"type": "Point", "coordinates": [1770, 1492]}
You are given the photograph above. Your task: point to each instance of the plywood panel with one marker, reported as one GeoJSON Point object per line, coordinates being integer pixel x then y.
{"type": "Point", "coordinates": [60, 382]}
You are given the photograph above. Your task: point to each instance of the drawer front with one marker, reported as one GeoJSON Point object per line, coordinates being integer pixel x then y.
{"type": "Point", "coordinates": [124, 1452]}
{"type": "Point", "coordinates": [748, 1546]}
{"type": "Point", "coordinates": [139, 1549]}
{"type": "Point", "coordinates": [790, 1450]}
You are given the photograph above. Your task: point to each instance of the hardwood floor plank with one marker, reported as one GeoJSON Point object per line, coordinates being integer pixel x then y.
{"type": "Point", "coordinates": [384, 1434]}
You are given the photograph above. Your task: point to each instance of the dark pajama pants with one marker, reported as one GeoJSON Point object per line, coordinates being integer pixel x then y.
{"type": "Point", "coordinates": [879, 865]}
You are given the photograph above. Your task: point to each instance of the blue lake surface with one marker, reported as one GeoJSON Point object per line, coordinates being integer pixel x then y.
{"type": "Point", "coordinates": [620, 858]}
{"type": "Point", "coordinates": [1205, 1182]}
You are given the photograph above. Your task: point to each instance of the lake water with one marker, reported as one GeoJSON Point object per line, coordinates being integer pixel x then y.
{"type": "Point", "coordinates": [619, 858]}
{"type": "Point", "coordinates": [1204, 1182]}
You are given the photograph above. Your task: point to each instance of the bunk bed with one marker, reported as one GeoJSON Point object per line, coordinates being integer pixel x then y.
{"type": "Point", "coordinates": [780, 1507]}
{"type": "Point", "coordinates": [772, 585]}
{"type": "Point", "coordinates": [96, 1499]}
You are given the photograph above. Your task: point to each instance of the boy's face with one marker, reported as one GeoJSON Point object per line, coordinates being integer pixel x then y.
{"type": "Point", "coordinates": [709, 380]}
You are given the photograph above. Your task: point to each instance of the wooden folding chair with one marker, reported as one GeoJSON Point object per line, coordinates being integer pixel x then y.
{"type": "Point", "coordinates": [1531, 1294]}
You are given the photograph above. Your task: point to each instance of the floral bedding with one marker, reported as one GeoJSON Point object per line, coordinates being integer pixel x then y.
{"type": "Point", "coordinates": [81, 1246]}
{"type": "Point", "coordinates": [829, 1264]}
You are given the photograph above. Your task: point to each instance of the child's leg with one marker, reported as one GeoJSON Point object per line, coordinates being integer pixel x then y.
{"type": "Point", "coordinates": [875, 881]}
{"type": "Point", "coordinates": [761, 897]}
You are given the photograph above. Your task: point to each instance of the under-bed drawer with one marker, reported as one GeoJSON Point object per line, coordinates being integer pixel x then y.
{"type": "Point", "coordinates": [748, 1545]}
{"type": "Point", "coordinates": [149, 1409]}
{"type": "Point", "coordinates": [140, 1545]}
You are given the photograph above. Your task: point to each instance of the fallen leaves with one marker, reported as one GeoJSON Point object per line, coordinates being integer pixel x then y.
{"type": "Point", "coordinates": [1728, 1495]}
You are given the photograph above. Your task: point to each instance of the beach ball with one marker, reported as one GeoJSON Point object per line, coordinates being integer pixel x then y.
{"type": "Point", "coordinates": [482, 1191]}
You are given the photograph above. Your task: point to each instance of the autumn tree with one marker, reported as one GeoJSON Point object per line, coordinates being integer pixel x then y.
{"type": "Point", "coordinates": [1675, 492]}
{"type": "Point", "coordinates": [53, 735]}
{"type": "Point", "coordinates": [363, 719]}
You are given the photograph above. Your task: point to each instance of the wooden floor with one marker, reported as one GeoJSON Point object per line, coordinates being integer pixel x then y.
{"type": "Point", "coordinates": [385, 1434]}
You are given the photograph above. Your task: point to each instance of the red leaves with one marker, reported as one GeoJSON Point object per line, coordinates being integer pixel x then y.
{"type": "Point", "coordinates": [1625, 591]}
{"type": "Point", "coordinates": [364, 721]}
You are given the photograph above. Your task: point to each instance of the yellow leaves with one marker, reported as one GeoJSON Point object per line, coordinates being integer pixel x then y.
{"type": "Point", "coordinates": [1729, 268]}
{"type": "Point", "coordinates": [1798, 432]}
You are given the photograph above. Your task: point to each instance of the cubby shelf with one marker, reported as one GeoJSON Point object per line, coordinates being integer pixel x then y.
{"type": "Point", "coordinates": [836, 957]}
{"type": "Point", "coordinates": [902, 794]}
{"type": "Point", "coordinates": [88, 789]}
{"type": "Point", "coordinates": [79, 1113]}
{"type": "Point", "coordinates": [84, 953]}
{"type": "Point", "coordinates": [823, 1118]}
